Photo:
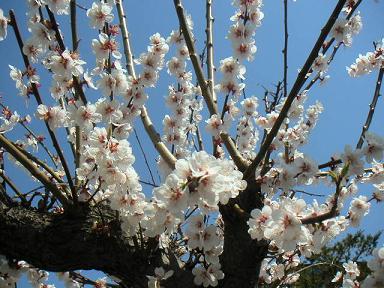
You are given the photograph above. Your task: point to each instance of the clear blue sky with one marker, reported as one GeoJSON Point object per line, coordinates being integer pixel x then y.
{"type": "Point", "coordinates": [345, 99]}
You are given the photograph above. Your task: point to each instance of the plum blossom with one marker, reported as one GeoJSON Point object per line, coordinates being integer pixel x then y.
{"type": "Point", "coordinates": [215, 125]}
{"type": "Point", "coordinates": [353, 157]}
{"type": "Point", "coordinates": [199, 236]}
{"type": "Point", "coordinates": [58, 6]}
{"type": "Point", "coordinates": [321, 63]}
{"type": "Point", "coordinates": [259, 220]}
{"type": "Point", "coordinates": [8, 120]}
{"type": "Point", "coordinates": [359, 208]}
{"type": "Point", "coordinates": [374, 148]}
{"type": "Point", "coordinates": [207, 276]}
{"type": "Point", "coordinates": [55, 116]}
{"type": "Point", "coordinates": [376, 265]}
{"type": "Point", "coordinates": [3, 25]}
{"type": "Point", "coordinates": [104, 47]}
{"type": "Point", "coordinates": [160, 274]}
{"type": "Point", "coordinates": [100, 13]}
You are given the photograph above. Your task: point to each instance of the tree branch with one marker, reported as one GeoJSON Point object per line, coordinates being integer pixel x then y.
{"type": "Point", "coordinates": [146, 120]}
{"type": "Point", "coordinates": [93, 245]}
{"type": "Point", "coordinates": [372, 107]}
{"type": "Point", "coordinates": [285, 51]}
{"type": "Point", "coordinates": [14, 151]}
{"type": "Point", "coordinates": [209, 43]}
{"type": "Point", "coordinates": [75, 43]}
{"type": "Point", "coordinates": [300, 80]}
{"type": "Point", "coordinates": [39, 101]}
{"type": "Point", "coordinates": [8, 181]}
{"type": "Point", "coordinates": [205, 90]}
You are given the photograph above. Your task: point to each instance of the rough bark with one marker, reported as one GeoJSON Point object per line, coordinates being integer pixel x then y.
{"type": "Point", "coordinates": [242, 256]}
{"type": "Point", "coordinates": [92, 239]}
{"type": "Point", "coordinates": [71, 242]}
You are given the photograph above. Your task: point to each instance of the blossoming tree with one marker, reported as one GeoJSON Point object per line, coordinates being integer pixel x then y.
{"type": "Point", "coordinates": [228, 215]}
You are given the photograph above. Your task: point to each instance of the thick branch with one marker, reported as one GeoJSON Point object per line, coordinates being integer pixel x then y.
{"type": "Point", "coordinates": [300, 80]}
{"type": "Point", "coordinates": [12, 149]}
{"type": "Point", "coordinates": [156, 140]}
{"type": "Point", "coordinates": [92, 245]}
{"type": "Point", "coordinates": [8, 181]}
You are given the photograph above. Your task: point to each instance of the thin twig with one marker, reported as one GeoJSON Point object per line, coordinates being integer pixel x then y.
{"type": "Point", "coordinates": [372, 108]}
{"type": "Point", "coordinates": [145, 156]}
{"type": "Point", "coordinates": [327, 215]}
{"type": "Point", "coordinates": [148, 183]}
{"type": "Point", "coordinates": [199, 139]}
{"type": "Point", "coordinates": [285, 51]}
{"type": "Point", "coordinates": [300, 80]}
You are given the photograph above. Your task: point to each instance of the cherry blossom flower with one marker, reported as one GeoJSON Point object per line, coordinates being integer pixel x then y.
{"type": "Point", "coordinates": [3, 25]}
{"type": "Point", "coordinates": [99, 14]}
{"type": "Point", "coordinates": [104, 47]}
{"type": "Point", "coordinates": [160, 274]}
{"type": "Point", "coordinates": [207, 277]}
{"type": "Point", "coordinates": [58, 6]}
{"type": "Point", "coordinates": [55, 116]}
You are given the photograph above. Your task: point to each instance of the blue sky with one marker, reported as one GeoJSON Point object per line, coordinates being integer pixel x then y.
{"type": "Point", "coordinates": [345, 99]}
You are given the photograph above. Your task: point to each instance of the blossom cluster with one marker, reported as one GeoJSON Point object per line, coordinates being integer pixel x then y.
{"type": "Point", "coordinates": [180, 208]}
{"type": "Point", "coordinates": [183, 99]}
{"type": "Point", "coordinates": [343, 30]}
{"type": "Point", "coordinates": [348, 278]}
{"type": "Point", "coordinates": [12, 271]}
{"type": "Point", "coordinates": [376, 265]}
{"type": "Point", "coordinates": [246, 19]}
{"type": "Point", "coordinates": [200, 181]}
{"type": "Point", "coordinates": [365, 64]}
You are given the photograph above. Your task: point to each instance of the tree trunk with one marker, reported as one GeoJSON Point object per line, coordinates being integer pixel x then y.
{"type": "Point", "coordinates": [93, 239]}
{"type": "Point", "coordinates": [242, 256]}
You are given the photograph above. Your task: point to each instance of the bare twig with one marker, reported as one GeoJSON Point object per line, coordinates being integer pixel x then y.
{"type": "Point", "coordinates": [145, 156]}
{"type": "Point", "coordinates": [372, 107]}
{"type": "Point", "coordinates": [300, 80]}
{"type": "Point", "coordinates": [285, 51]}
